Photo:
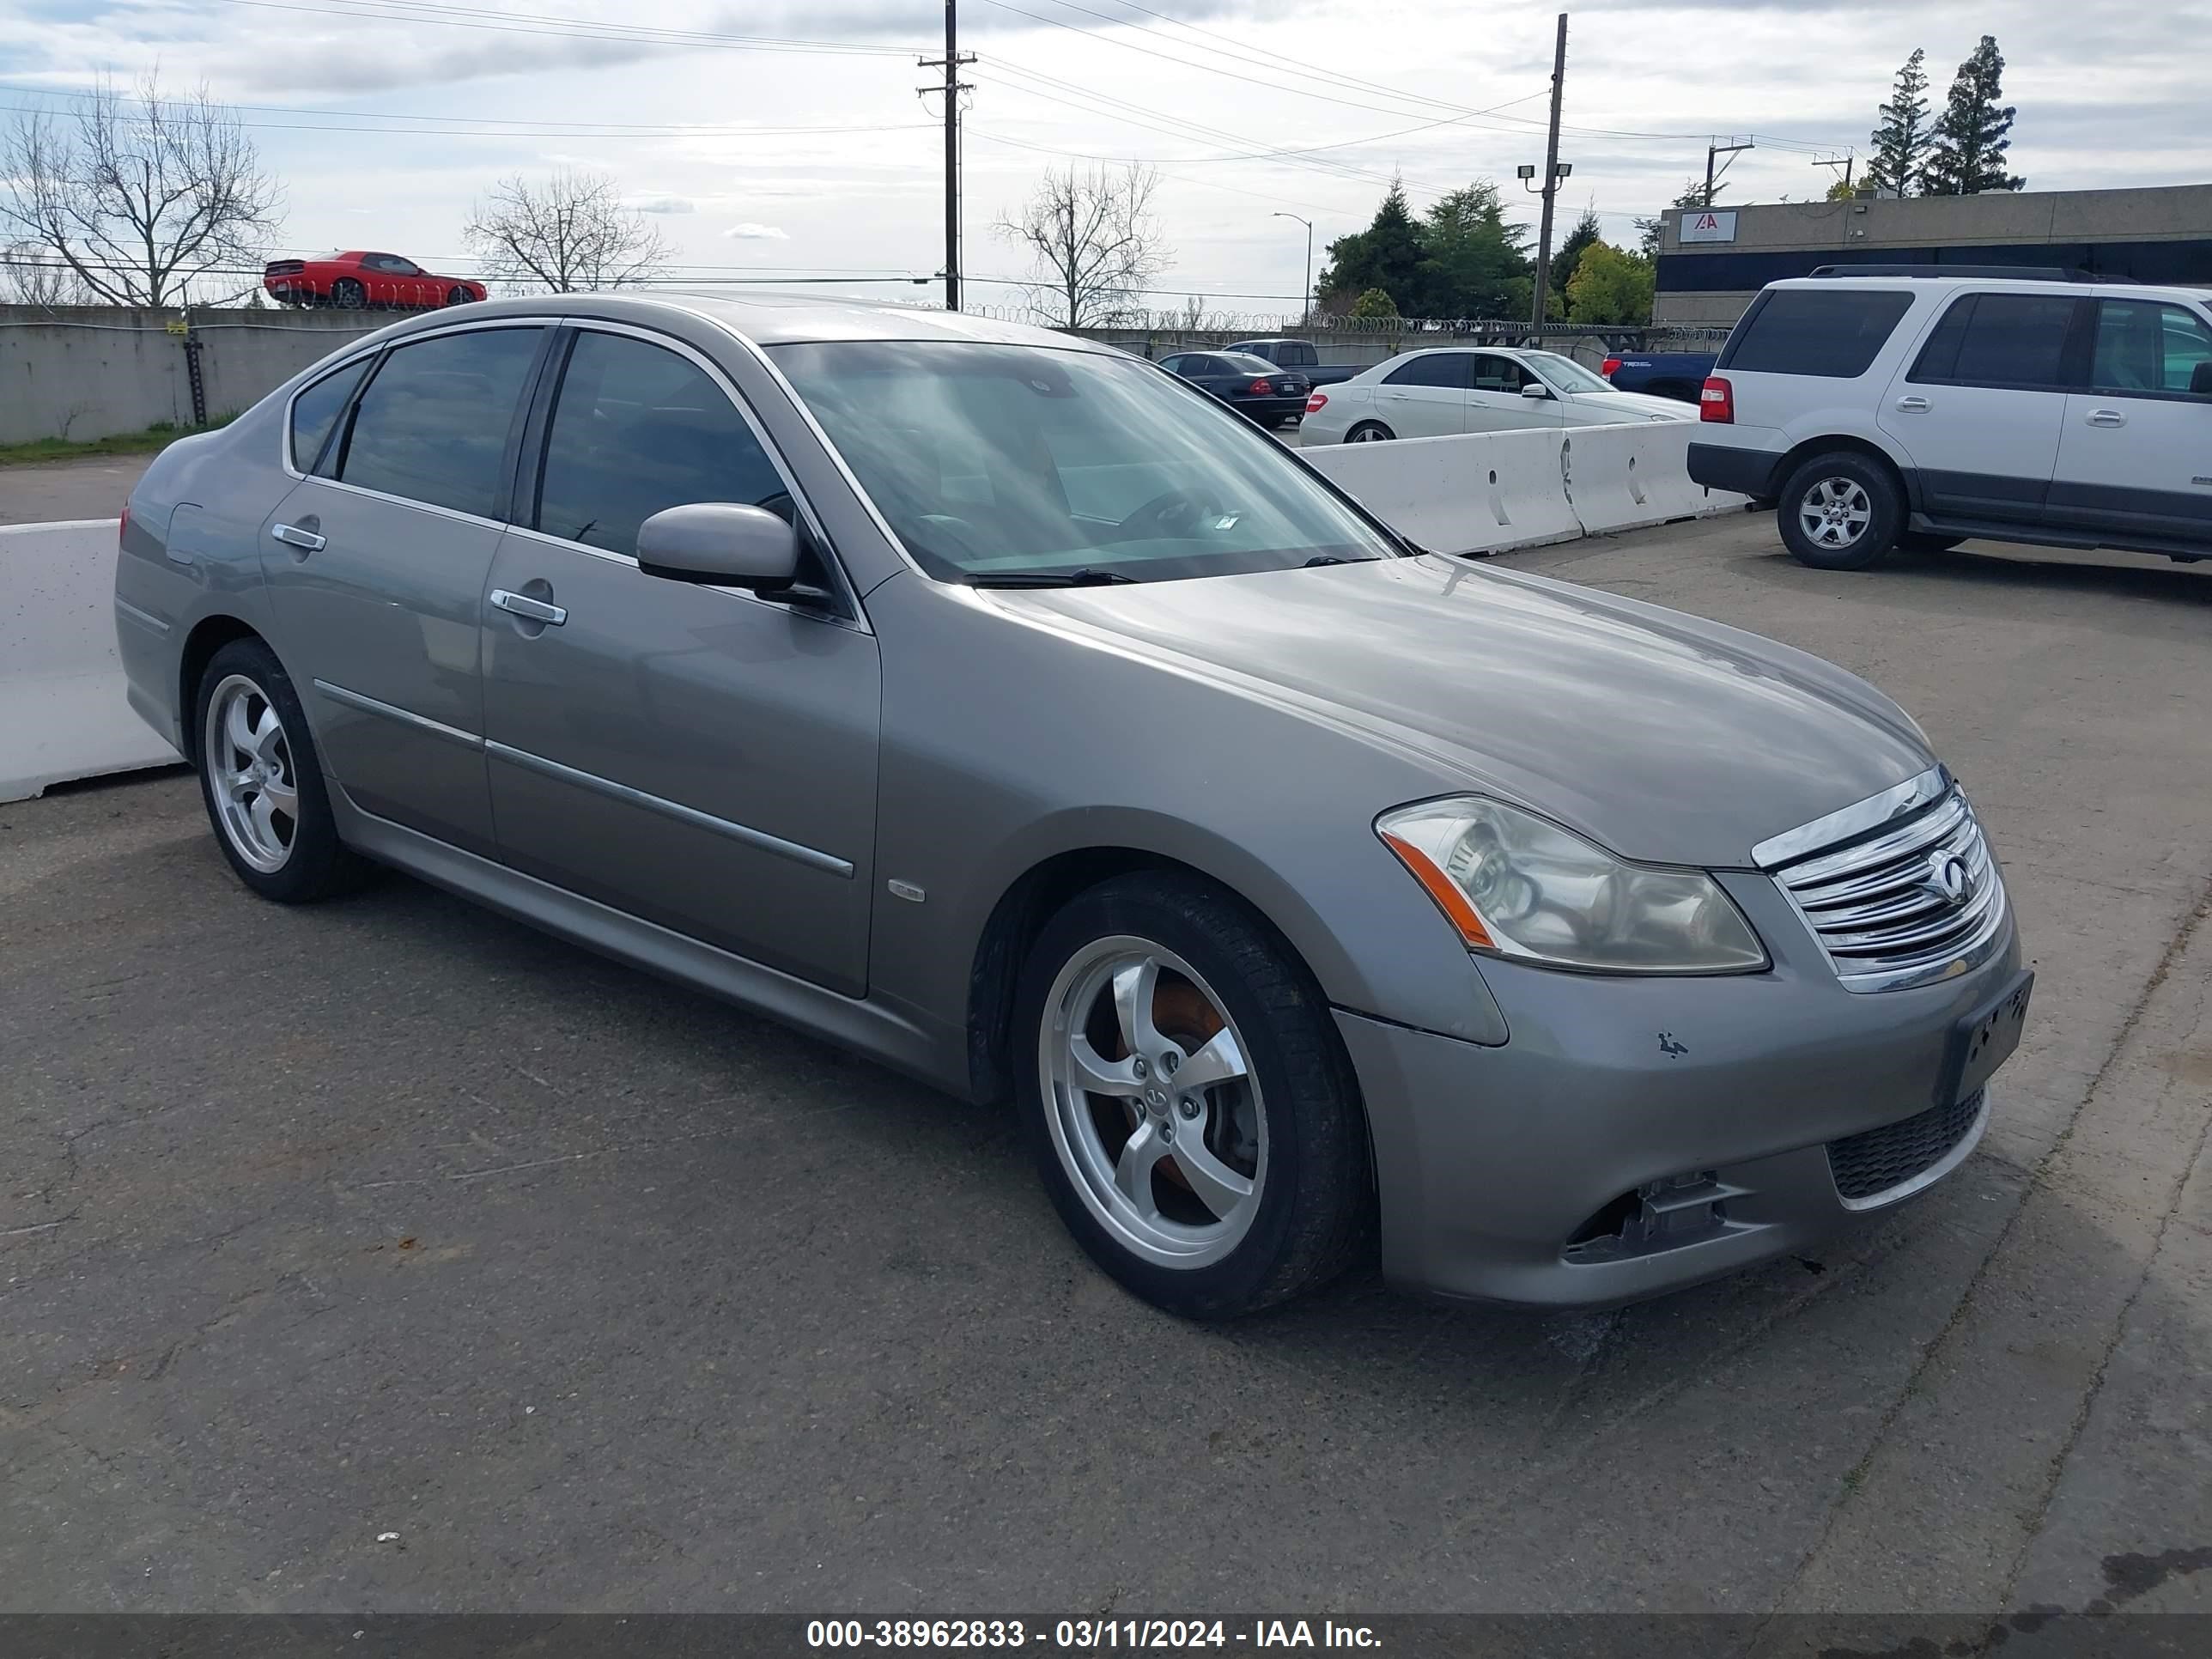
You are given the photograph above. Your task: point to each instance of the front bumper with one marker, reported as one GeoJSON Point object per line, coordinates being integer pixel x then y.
{"type": "Point", "coordinates": [1693, 1092]}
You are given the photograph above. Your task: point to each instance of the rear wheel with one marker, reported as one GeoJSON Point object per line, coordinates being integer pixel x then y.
{"type": "Point", "coordinates": [263, 782]}
{"type": "Point", "coordinates": [348, 294]}
{"type": "Point", "coordinates": [1369, 432]}
{"type": "Point", "coordinates": [1841, 511]}
{"type": "Point", "coordinates": [1189, 1105]}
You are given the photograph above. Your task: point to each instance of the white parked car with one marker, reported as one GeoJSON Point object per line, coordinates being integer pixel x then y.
{"type": "Point", "coordinates": [1916, 407]}
{"type": "Point", "coordinates": [1453, 389]}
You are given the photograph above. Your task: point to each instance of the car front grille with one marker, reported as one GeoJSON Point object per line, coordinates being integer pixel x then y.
{"type": "Point", "coordinates": [1877, 1163]}
{"type": "Point", "coordinates": [1905, 900]}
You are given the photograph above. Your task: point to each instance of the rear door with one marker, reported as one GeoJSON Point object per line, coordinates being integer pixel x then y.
{"type": "Point", "coordinates": [2134, 459]}
{"type": "Point", "coordinates": [700, 756]}
{"type": "Point", "coordinates": [1426, 396]}
{"type": "Point", "coordinates": [376, 565]}
{"type": "Point", "coordinates": [1980, 407]}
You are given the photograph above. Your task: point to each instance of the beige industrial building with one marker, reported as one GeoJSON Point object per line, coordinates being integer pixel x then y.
{"type": "Point", "coordinates": [1713, 260]}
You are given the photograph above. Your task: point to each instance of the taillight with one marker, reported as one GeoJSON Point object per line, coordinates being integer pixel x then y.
{"type": "Point", "coordinates": [1717, 402]}
{"type": "Point", "coordinates": [1314, 404]}
{"type": "Point", "coordinates": [1260, 388]}
{"type": "Point", "coordinates": [123, 524]}
{"type": "Point", "coordinates": [1606, 367]}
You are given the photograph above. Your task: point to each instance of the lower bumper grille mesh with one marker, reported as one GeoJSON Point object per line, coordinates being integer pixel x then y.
{"type": "Point", "coordinates": [1879, 1159]}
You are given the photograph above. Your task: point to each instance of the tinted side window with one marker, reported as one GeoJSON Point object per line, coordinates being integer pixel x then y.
{"type": "Point", "coordinates": [636, 428]}
{"type": "Point", "coordinates": [1444, 368]}
{"type": "Point", "coordinates": [1999, 339]}
{"type": "Point", "coordinates": [1173, 365]}
{"type": "Point", "coordinates": [433, 424]}
{"type": "Point", "coordinates": [2142, 346]}
{"type": "Point", "coordinates": [316, 410]}
{"type": "Point", "coordinates": [1835, 334]}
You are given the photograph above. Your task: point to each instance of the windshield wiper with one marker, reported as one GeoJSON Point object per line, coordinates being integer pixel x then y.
{"type": "Point", "coordinates": [1088, 576]}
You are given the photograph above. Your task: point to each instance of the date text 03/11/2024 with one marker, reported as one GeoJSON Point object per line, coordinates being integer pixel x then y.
{"type": "Point", "coordinates": [1086, 1635]}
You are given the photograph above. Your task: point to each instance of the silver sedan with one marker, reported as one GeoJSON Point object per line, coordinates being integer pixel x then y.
{"type": "Point", "coordinates": [995, 704]}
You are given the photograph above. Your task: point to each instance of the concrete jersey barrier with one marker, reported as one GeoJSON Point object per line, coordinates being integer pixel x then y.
{"type": "Point", "coordinates": [63, 715]}
{"type": "Point", "coordinates": [1623, 477]}
{"type": "Point", "coordinates": [1488, 492]}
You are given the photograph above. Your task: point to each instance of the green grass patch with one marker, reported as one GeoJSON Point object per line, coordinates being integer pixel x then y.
{"type": "Point", "coordinates": [152, 441]}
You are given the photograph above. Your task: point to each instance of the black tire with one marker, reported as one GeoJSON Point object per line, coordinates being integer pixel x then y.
{"type": "Point", "coordinates": [1369, 432]}
{"type": "Point", "coordinates": [1315, 1197]}
{"type": "Point", "coordinates": [458, 297]}
{"type": "Point", "coordinates": [318, 865]}
{"type": "Point", "coordinates": [348, 294]}
{"type": "Point", "coordinates": [1926, 541]}
{"type": "Point", "coordinates": [1870, 511]}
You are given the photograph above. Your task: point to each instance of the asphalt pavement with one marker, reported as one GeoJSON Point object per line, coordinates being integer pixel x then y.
{"type": "Point", "coordinates": [93, 488]}
{"type": "Point", "coordinates": [388, 1255]}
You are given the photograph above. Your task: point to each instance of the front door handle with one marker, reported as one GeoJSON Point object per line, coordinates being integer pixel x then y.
{"type": "Point", "coordinates": [2106, 418]}
{"type": "Point", "coordinates": [293, 535]}
{"type": "Point", "coordinates": [522, 604]}
{"type": "Point", "coordinates": [1913, 405]}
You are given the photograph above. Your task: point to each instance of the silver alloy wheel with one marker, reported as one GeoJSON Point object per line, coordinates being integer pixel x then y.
{"type": "Point", "coordinates": [1835, 512]}
{"type": "Point", "coordinates": [1369, 435]}
{"type": "Point", "coordinates": [1152, 1106]}
{"type": "Point", "coordinates": [249, 774]}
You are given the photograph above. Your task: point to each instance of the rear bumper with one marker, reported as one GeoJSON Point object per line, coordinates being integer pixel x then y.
{"type": "Point", "coordinates": [1271, 409]}
{"type": "Point", "coordinates": [1623, 1099]}
{"type": "Point", "coordinates": [1746, 471]}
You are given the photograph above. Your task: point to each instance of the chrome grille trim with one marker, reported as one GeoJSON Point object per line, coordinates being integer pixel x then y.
{"type": "Point", "coordinates": [1866, 894]}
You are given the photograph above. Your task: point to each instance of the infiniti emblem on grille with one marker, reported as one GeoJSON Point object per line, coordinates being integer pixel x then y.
{"type": "Point", "coordinates": [1947, 876]}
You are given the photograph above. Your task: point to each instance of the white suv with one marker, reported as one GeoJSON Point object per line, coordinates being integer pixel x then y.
{"type": "Point", "coordinates": [1880, 407]}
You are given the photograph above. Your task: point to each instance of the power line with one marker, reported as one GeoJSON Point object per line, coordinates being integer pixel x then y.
{"type": "Point", "coordinates": [580, 29]}
{"type": "Point", "coordinates": [546, 132]}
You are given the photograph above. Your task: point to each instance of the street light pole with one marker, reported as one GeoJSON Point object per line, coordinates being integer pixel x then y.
{"type": "Point", "coordinates": [1305, 299]}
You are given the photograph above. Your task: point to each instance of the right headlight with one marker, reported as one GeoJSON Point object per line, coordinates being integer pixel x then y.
{"type": "Point", "coordinates": [1518, 885]}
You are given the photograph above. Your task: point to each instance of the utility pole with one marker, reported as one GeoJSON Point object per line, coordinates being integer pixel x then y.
{"type": "Point", "coordinates": [1551, 176]}
{"type": "Point", "coordinates": [953, 87]}
{"type": "Point", "coordinates": [1850, 158]}
{"type": "Point", "coordinates": [1716, 149]}
{"type": "Point", "coordinates": [1305, 308]}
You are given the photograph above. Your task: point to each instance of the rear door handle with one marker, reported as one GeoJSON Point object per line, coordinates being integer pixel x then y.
{"type": "Point", "coordinates": [292, 535]}
{"type": "Point", "coordinates": [2106, 418]}
{"type": "Point", "coordinates": [1913, 405]}
{"type": "Point", "coordinates": [522, 604]}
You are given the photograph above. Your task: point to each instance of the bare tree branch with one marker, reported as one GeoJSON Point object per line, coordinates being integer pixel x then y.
{"type": "Point", "coordinates": [570, 233]}
{"type": "Point", "coordinates": [138, 194]}
{"type": "Point", "coordinates": [1094, 242]}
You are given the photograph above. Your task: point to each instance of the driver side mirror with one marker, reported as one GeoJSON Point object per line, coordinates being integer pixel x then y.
{"type": "Point", "coordinates": [2200, 380]}
{"type": "Point", "coordinates": [720, 541]}
{"type": "Point", "coordinates": [1535, 389]}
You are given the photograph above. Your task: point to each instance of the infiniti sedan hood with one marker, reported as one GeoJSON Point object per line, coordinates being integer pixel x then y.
{"type": "Point", "coordinates": [1665, 738]}
{"type": "Point", "coordinates": [1636, 406]}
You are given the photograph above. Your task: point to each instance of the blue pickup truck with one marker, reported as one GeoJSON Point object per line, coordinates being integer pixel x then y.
{"type": "Point", "coordinates": [1678, 374]}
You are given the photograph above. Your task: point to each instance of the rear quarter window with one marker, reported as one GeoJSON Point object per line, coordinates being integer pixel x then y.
{"type": "Point", "coordinates": [1835, 334]}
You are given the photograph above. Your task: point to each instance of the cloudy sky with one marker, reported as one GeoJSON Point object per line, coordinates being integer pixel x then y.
{"type": "Point", "coordinates": [776, 137]}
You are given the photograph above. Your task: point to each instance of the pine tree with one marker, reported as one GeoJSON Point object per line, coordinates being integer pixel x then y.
{"type": "Point", "coordinates": [1968, 154]}
{"type": "Point", "coordinates": [1900, 143]}
{"type": "Point", "coordinates": [1386, 255]}
{"type": "Point", "coordinates": [1570, 253]}
{"type": "Point", "coordinates": [1472, 256]}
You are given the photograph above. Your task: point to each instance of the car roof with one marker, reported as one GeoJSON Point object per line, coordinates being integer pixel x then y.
{"type": "Point", "coordinates": [766, 317]}
{"type": "Point", "coordinates": [1935, 284]}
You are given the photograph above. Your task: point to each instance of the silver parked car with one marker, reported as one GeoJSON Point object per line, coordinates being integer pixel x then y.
{"type": "Point", "coordinates": [1000, 706]}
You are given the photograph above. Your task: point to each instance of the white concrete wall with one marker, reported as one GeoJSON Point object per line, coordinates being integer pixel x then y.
{"type": "Point", "coordinates": [62, 714]}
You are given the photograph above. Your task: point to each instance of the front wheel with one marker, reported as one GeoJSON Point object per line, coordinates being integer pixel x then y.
{"type": "Point", "coordinates": [458, 297]}
{"type": "Point", "coordinates": [263, 782]}
{"type": "Point", "coordinates": [1369, 432]}
{"type": "Point", "coordinates": [1190, 1107]}
{"type": "Point", "coordinates": [1841, 511]}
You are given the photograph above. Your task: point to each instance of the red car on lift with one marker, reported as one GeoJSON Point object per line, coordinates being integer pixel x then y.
{"type": "Point", "coordinates": [355, 281]}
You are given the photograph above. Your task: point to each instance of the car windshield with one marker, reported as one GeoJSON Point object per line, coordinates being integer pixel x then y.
{"type": "Point", "coordinates": [1564, 373]}
{"type": "Point", "coordinates": [996, 463]}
